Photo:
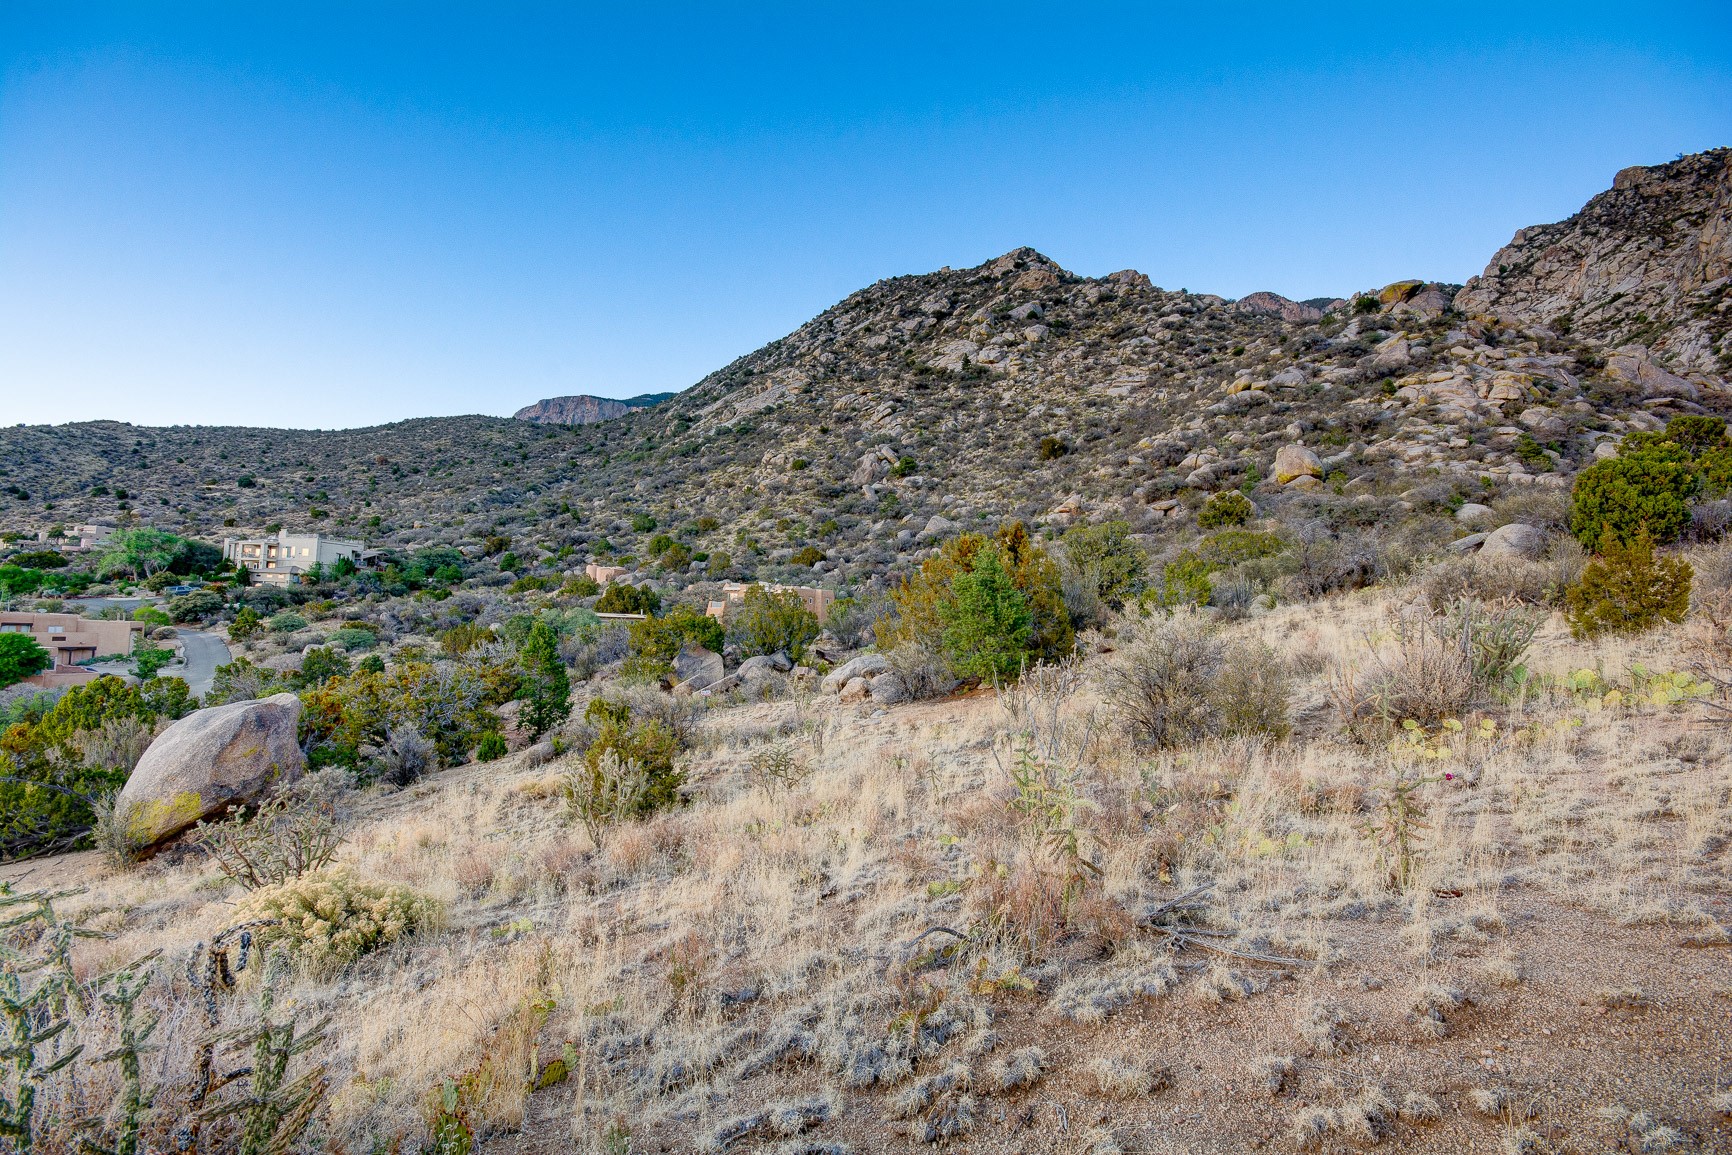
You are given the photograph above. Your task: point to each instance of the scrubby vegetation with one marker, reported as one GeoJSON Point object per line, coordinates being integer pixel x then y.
{"type": "Point", "coordinates": [1135, 791]}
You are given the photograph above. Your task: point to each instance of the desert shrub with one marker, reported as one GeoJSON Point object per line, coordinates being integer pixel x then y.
{"type": "Point", "coordinates": [809, 555]}
{"type": "Point", "coordinates": [604, 791]}
{"type": "Point", "coordinates": [246, 624]}
{"type": "Point", "coordinates": [1426, 675]}
{"type": "Point", "coordinates": [1628, 588]}
{"type": "Point", "coordinates": [1697, 434]}
{"type": "Point", "coordinates": [579, 586]}
{"type": "Point", "coordinates": [1546, 507]}
{"type": "Point", "coordinates": [328, 919]}
{"type": "Point", "coordinates": [195, 606]}
{"type": "Point", "coordinates": [21, 657]}
{"type": "Point", "coordinates": [461, 639]}
{"type": "Point", "coordinates": [1542, 581]}
{"type": "Point", "coordinates": [1082, 599]}
{"type": "Point", "coordinates": [854, 621]}
{"type": "Point", "coordinates": [623, 598]}
{"type": "Point", "coordinates": [642, 523]}
{"type": "Point", "coordinates": [285, 622]}
{"type": "Point", "coordinates": [149, 615]}
{"type": "Point", "coordinates": [661, 638]}
{"type": "Point", "coordinates": [1225, 509]}
{"type": "Point", "coordinates": [1186, 579]}
{"type": "Point", "coordinates": [449, 703]}
{"type": "Point", "coordinates": [319, 664]}
{"type": "Point", "coordinates": [1112, 562]}
{"type": "Point", "coordinates": [352, 638]}
{"type": "Point", "coordinates": [588, 653]}
{"type": "Point", "coordinates": [1321, 564]}
{"type": "Point", "coordinates": [770, 623]}
{"type": "Point", "coordinates": [56, 765]}
{"type": "Point", "coordinates": [1051, 449]}
{"type": "Point", "coordinates": [286, 837]}
{"type": "Point", "coordinates": [922, 672]}
{"type": "Point", "coordinates": [649, 743]}
{"type": "Point", "coordinates": [1177, 682]}
{"type": "Point", "coordinates": [1647, 488]}
{"type": "Point", "coordinates": [402, 757]}
{"type": "Point", "coordinates": [491, 748]}
{"type": "Point", "coordinates": [1436, 665]}
{"type": "Point", "coordinates": [926, 602]}
{"type": "Point", "coordinates": [240, 681]}
{"type": "Point", "coordinates": [148, 657]}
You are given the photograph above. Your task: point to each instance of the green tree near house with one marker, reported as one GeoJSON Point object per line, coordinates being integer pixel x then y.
{"type": "Point", "coordinates": [141, 552]}
{"type": "Point", "coordinates": [662, 638]}
{"type": "Point", "coordinates": [768, 623]}
{"type": "Point", "coordinates": [247, 623]}
{"type": "Point", "coordinates": [545, 688]}
{"type": "Point", "coordinates": [21, 657]}
{"type": "Point", "coordinates": [148, 658]}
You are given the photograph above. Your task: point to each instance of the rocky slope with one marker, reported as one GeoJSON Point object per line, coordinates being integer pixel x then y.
{"type": "Point", "coordinates": [1647, 261]}
{"type": "Point", "coordinates": [1012, 389]}
{"type": "Point", "coordinates": [582, 409]}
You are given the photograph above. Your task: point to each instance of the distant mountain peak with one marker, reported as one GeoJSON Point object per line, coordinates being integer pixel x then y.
{"type": "Point", "coordinates": [582, 409]}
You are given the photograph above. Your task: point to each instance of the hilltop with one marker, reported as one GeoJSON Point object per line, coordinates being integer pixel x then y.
{"type": "Point", "coordinates": [582, 409]}
{"type": "Point", "coordinates": [1012, 389]}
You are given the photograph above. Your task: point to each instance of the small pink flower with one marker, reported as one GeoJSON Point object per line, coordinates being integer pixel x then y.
{"type": "Point", "coordinates": [1448, 777]}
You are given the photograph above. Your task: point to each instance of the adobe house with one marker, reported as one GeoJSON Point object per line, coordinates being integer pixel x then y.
{"type": "Point", "coordinates": [282, 560]}
{"type": "Point", "coordinates": [603, 574]}
{"type": "Point", "coordinates": [71, 639]}
{"type": "Point", "coordinates": [817, 601]}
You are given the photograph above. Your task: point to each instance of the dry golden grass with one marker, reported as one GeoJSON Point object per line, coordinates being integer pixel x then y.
{"type": "Point", "coordinates": [718, 966]}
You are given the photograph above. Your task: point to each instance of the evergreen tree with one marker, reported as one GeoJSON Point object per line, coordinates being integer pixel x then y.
{"type": "Point", "coordinates": [20, 657]}
{"type": "Point", "coordinates": [546, 689]}
{"type": "Point", "coordinates": [987, 623]}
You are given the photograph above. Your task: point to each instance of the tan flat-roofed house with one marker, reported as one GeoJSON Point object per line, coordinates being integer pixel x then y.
{"type": "Point", "coordinates": [815, 599]}
{"type": "Point", "coordinates": [71, 639]}
{"type": "Point", "coordinates": [283, 559]}
{"type": "Point", "coordinates": [603, 574]}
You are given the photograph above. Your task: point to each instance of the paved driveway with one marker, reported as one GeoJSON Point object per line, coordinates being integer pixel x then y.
{"type": "Point", "coordinates": [204, 653]}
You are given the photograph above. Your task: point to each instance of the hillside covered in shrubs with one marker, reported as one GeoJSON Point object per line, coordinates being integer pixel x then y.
{"type": "Point", "coordinates": [1242, 725]}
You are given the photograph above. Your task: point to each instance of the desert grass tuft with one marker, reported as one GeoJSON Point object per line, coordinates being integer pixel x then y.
{"type": "Point", "coordinates": [1119, 1078]}
{"type": "Point", "coordinates": [1019, 1070]}
{"type": "Point", "coordinates": [1321, 1024]}
{"type": "Point", "coordinates": [1276, 1071]}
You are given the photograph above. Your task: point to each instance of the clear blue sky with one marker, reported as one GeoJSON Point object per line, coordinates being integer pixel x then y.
{"type": "Point", "coordinates": [310, 214]}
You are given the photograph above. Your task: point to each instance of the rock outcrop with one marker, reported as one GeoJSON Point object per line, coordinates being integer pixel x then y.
{"type": "Point", "coordinates": [696, 667]}
{"type": "Point", "coordinates": [1647, 261]}
{"type": "Point", "coordinates": [1275, 305]}
{"type": "Point", "coordinates": [209, 761]}
{"type": "Point", "coordinates": [582, 409]}
{"type": "Point", "coordinates": [1517, 539]}
{"type": "Point", "coordinates": [1293, 462]}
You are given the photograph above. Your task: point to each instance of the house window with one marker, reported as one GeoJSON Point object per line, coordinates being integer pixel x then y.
{"type": "Point", "coordinates": [57, 629]}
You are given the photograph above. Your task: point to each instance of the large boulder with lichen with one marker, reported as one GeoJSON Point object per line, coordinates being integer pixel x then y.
{"type": "Point", "coordinates": [1294, 462]}
{"type": "Point", "coordinates": [209, 762]}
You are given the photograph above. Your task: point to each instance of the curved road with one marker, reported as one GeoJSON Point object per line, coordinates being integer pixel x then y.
{"type": "Point", "coordinates": [204, 653]}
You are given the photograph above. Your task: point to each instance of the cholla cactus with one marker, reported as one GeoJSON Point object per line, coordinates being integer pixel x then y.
{"type": "Point", "coordinates": [38, 991]}
{"type": "Point", "coordinates": [125, 987]}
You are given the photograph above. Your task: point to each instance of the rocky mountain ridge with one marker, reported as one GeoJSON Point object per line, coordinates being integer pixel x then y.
{"type": "Point", "coordinates": [583, 409]}
{"type": "Point", "coordinates": [923, 404]}
{"type": "Point", "coordinates": [1647, 262]}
